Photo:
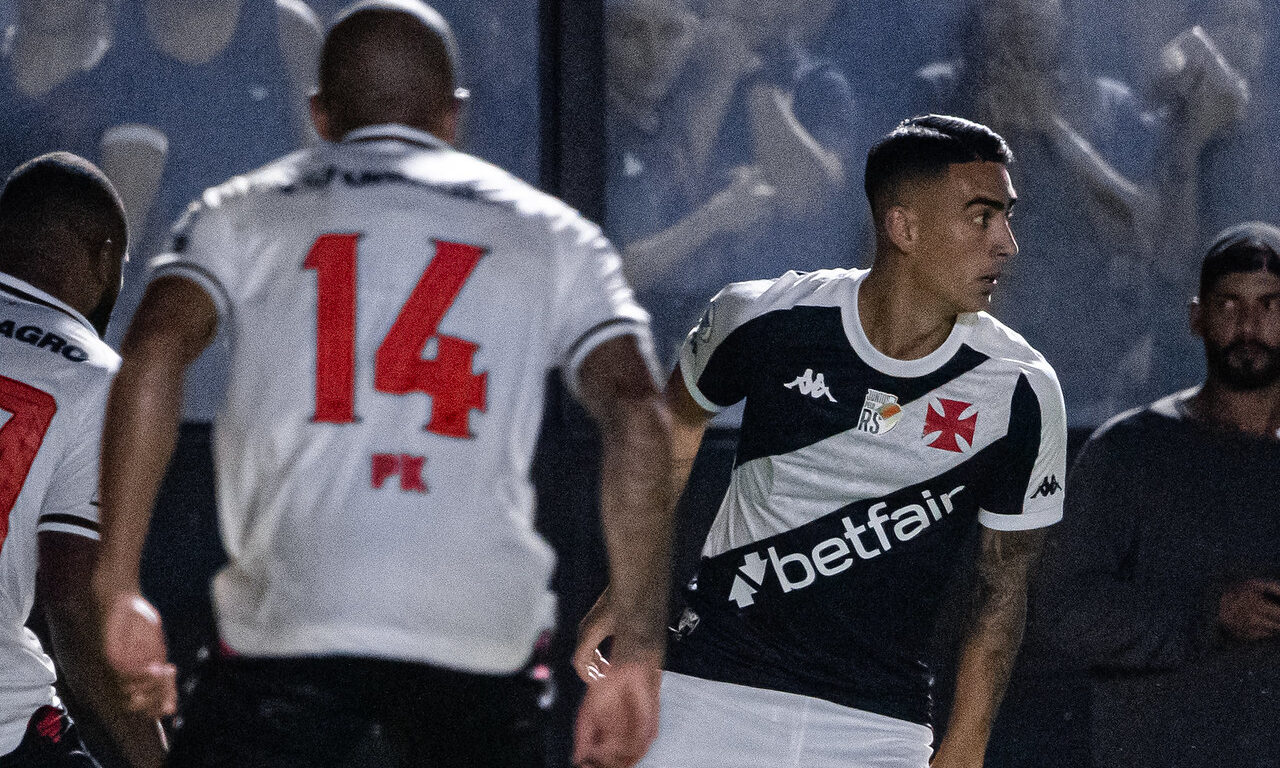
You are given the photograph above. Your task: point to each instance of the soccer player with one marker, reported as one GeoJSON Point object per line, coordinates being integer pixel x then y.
{"type": "Point", "coordinates": [394, 308]}
{"type": "Point", "coordinates": [886, 414]}
{"type": "Point", "coordinates": [62, 244]}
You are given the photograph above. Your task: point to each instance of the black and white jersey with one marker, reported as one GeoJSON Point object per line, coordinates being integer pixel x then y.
{"type": "Point", "coordinates": [856, 479]}
{"type": "Point", "coordinates": [54, 376]}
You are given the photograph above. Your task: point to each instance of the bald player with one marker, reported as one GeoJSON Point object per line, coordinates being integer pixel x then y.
{"type": "Point", "coordinates": [62, 243]}
{"type": "Point", "coordinates": [394, 308]}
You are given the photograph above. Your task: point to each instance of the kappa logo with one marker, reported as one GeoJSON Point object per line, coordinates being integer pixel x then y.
{"type": "Point", "coordinates": [880, 412]}
{"type": "Point", "coordinates": [1048, 487]}
{"type": "Point", "coordinates": [811, 385]}
{"type": "Point", "coordinates": [950, 429]}
{"type": "Point", "coordinates": [859, 541]}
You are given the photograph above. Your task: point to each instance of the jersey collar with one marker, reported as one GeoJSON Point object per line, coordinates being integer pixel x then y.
{"type": "Point", "coordinates": [395, 132]}
{"type": "Point", "coordinates": [21, 289]}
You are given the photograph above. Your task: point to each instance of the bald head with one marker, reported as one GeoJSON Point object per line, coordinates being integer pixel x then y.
{"type": "Point", "coordinates": [387, 61]}
{"type": "Point", "coordinates": [62, 229]}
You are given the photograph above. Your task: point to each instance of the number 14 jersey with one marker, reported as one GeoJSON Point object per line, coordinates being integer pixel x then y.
{"type": "Point", "coordinates": [394, 307]}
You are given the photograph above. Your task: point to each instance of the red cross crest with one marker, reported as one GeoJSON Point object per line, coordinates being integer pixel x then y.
{"type": "Point", "coordinates": [947, 426]}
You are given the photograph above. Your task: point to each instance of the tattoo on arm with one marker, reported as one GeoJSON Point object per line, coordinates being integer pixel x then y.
{"type": "Point", "coordinates": [1000, 594]}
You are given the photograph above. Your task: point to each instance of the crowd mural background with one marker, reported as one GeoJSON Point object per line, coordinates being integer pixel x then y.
{"type": "Point", "coordinates": [732, 142]}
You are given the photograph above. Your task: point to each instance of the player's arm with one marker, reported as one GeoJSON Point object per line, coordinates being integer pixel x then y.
{"type": "Point", "coordinates": [174, 323]}
{"type": "Point", "coordinates": [688, 425]}
{"type": "Point", "coordinates": [618, 719]}
{"type": "Point", "coordinates": [991, 643]}
{"type": "Point", "coordinates": [62, 582]}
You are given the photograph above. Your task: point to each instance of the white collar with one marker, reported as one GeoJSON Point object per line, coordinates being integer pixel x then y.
{"type": "Point", "coordinates": [396, 132]}
{"type": "Point", "coordinates": [28, 292]}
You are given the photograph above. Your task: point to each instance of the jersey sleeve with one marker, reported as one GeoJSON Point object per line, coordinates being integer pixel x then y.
{"type": "Point", "coordinates": [202, 249]}
{"type": "Point", "coordinates": [71, 503]}
{"type": "Point", "coordinates": [595, 303]}
{"type": "Point", "coordinates": [1030, 493]}
{"type": "Point", "coordinates": [713, 358]}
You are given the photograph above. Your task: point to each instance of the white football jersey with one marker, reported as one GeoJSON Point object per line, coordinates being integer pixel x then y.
{"type": "Point", "coordinates": [54, 376]}
{"type": "Point", "coordinates": [393, 307]}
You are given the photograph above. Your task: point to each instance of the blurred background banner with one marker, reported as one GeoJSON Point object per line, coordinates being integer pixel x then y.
{"type": "Point", "coordinates": [716, 141]}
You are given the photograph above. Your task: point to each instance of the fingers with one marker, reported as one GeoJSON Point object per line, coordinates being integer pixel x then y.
{"type": "Point", "coordinates": [155, 693]}
{"type": "Point", "coordinates": [619, 719]}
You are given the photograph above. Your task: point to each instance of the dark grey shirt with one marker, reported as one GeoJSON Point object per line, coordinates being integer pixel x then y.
{"type": "Point", "coordinates": [1163, 513]}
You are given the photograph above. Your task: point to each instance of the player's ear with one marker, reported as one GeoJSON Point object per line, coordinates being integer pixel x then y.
{"type": "Point", "coordinates": [902, 226]}
{"type": "Point", "coordinates": [320, 117]}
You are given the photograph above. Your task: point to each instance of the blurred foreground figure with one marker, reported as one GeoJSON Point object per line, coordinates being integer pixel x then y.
{"type": "Point", "coordinates": [887, 417]}
{"type": "Point", "coordinates": [1165, 579]}
{"type": "Point", "coordinates": [394, 308]}
{"type": "Point", "coordinates": [62, 243]}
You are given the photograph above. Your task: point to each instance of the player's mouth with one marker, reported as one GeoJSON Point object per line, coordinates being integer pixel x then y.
{"type": "Point", "coordinates": [991, 279]}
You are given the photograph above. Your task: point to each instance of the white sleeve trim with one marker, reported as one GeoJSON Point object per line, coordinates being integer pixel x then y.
{"type": "Point", "coordinates": [75, 530]}
{"type": "Point", "coordinates": [585, 345]}
{"type": "Point", "coordinates": [696, 393]}
{"type": "Point", "coordinates": [1025, 521]}
{"type": "Point", "coordinates": [170, 264]}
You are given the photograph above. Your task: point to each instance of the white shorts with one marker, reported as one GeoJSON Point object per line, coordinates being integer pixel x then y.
{"type": "Point", "coordinates": [706, 724]}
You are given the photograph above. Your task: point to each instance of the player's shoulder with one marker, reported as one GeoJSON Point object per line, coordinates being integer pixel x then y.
{"type": "Point", "coordinates": [1006, 347]}
{"type": "Point", "coordinates": [1138, 425]}
{"type": "Point", "coordinates": [753, 298]}
{"type": "Point", "coordinates": [54, 347]}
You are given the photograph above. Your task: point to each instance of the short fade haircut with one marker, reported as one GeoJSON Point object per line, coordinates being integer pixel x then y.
{"type": "Point", "coordinates": [1248, 247]}
{"type": "Point", "coordinates": [923, 147]}
{"type": "Point", "coordinates": [59, 188]}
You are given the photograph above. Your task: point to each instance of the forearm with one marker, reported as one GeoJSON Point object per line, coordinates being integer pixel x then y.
{"type": "Point", "coordinates": [138, 738]}
{"type": "Point", "coordinates": [636, 512]}
{"type": "Point", "coordinates": [140, 434]}
{"type": "Point", "coordinates": [793, 160]}
{"type": "Point", "coordinates": [991, 643]}
{"type": "Point", "coordinates": [648, 261]}
{"type": "Point", "coordinates": [1178, 201]}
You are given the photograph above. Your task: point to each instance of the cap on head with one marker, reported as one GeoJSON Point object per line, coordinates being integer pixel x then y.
{"type": "Point", "coordinates": [388, 61]}
{"type": "Point", "coordinates": [1247, 247]}
{"type": "Point", "coordinates": [924, 146]}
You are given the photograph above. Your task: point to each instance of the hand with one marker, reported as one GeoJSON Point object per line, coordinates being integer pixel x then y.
{"type": "Point", "coordinates": [1207, 94]}
{"type": "Point", "coordinates": [747, 201]}
{"type": "Point", "coordinates": [594, 629]}
{"type": "Point", "coordinates": [1250, 610]}
{"type": "Point", "coordinates": [618, 719]}
{"type": "Point", "coordinates": [133, 642]}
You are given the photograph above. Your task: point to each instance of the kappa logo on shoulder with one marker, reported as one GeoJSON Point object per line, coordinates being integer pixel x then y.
{"type": "Point", "coordinates": [811, 385]}
{"type": "Point", "coordinates": [1048, 487]}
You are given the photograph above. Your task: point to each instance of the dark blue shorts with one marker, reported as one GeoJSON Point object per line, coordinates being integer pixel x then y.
{"type": "Point", "coordinates": [355, 712]}
{"type": "Point", "coordinates": [51, 741]}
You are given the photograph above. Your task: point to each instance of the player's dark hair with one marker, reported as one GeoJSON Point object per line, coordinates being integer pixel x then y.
{"type": "Point", "coordinates": [923, 147]}
{"type": "Point", "coordinates": [1249, 247]}
{"type": "Point", "coordinates": [387, 61]}
{"type": "Point", "coordinates": [50, 194]}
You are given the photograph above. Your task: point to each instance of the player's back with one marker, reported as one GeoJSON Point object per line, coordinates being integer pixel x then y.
{"type": "Point", "coordinates": [54, 376]}
{"type": "Point", "coordinates": [394, 309]}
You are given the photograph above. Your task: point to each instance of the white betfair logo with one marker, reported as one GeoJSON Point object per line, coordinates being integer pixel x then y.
{"type": "Point", "coordinates": [836, 555]}
{"type": "Point", "coordinates": [811, 385]}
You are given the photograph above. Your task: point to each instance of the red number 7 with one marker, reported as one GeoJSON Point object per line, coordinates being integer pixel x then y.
{"type": "Point", "coordinates": [20, 440]}
{"type": "Point", "coordinates": [399, 368]}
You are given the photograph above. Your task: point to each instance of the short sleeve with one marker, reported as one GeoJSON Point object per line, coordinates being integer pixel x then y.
{"type": "Point", "coordinates": [1030, 493]}
{"type": "Point", "coordinates": [714, 356]}
{"type": "Point", "coordinates": [71, 503]}
{"type": "Point", "coordinates": [201, 248]}
{"type": "Point", "coordinates": [595, 303]}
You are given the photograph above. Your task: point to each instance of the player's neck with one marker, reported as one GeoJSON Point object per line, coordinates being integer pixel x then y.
{"type": "Point", "coordinates": [900, 319]}
{"type": "Point", "coordinates": [1253, 412]}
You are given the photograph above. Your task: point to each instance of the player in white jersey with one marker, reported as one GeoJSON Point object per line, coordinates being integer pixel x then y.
{"type": "Point", "coordinates": [394, 308]}
{"type": "Point", "coordinates": [886, 416]}
{"type": "Point", "coordinates": [62, 243]}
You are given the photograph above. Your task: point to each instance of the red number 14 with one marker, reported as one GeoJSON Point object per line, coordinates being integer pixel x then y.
{"type": "Point", "coordinates": [399, 367]}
